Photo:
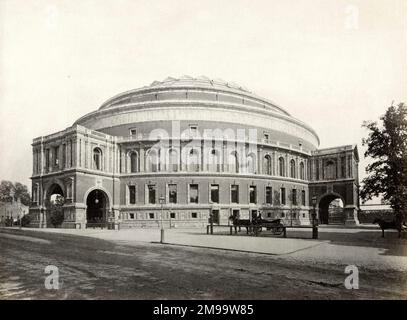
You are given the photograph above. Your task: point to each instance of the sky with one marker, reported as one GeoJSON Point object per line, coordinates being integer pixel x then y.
{"type": "Point", "coordinates": [330, 63]}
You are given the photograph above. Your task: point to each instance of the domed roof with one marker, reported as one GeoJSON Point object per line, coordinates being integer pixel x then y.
{"type": "Point", "coordinates": [187, 82]}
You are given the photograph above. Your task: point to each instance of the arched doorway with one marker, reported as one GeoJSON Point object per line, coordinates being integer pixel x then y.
{"type": "Point", "coordinates": [330, 209]}
{"type": "Point", "coordinates": [97, 205]}
{"type": "Point", "coordinates": [54, 203]}
{"type": "Point", "coordinates": [53, 192]}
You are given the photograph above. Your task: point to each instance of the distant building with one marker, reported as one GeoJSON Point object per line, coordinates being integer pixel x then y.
{"type": "Point", "coordinates": [369, 212]}
{"type": "Point", "coordinates": [181, 150]}
{"type": "Point", "coordinates": [14, 210]}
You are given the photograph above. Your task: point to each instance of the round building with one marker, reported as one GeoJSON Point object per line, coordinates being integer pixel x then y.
{"type": "Point", "coordinates": [179, 151]}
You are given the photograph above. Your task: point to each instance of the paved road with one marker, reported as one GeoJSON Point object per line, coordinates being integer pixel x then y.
{"type": "Point", "coordinates": [92, 268]}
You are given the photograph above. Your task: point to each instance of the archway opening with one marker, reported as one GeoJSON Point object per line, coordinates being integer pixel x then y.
{"type": "Point", "coordinates": [331, 210]}
{"type": "Point", "coordinates": [54, 204]}
{"type": "Point", "coordinates": [97, 205]}
{"type": "Point", "coordinates": [54, 192]}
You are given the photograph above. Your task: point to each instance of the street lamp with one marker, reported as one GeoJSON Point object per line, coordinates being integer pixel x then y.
{"type": "Point", "coordinates": [162, 201]}
{"type": "Point", "coordinates": [314, 215]}
{"type": "Point", "coordinates": [314, 212]}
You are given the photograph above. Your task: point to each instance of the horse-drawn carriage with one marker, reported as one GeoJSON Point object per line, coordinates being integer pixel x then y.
{"type": "Point", "coordinates": [256, 225]}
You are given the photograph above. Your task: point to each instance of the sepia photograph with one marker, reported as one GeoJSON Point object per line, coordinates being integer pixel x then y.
{"type": "Point", "coordinates": [220, 152]}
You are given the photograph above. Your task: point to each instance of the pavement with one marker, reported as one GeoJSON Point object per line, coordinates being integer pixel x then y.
{"type": "Point", "coordinates": [132, 264]}
{"type": "Point", "coordinates": [361, 246]}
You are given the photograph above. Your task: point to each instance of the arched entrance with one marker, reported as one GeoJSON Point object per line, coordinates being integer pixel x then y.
{"type": "Point", "coordinates": [53, 192]}
{"type": "Point", "coordinates": [54, 202]}
{"type": "Point", "coordinates": [97, 206]}
{"type": "Point", "coordinates": [330, 209]}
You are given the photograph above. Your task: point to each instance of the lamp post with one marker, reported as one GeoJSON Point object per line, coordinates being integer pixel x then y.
{"type": "Point", "coordinates": [162, 201]}
{"type": "Point", "coordinates": [314, 215]}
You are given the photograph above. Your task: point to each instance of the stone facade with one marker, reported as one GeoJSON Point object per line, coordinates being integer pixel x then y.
{"type": "Point", "coordinates": [180, 150]}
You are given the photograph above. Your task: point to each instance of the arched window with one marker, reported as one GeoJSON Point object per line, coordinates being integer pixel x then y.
{"type": "Point", "coordinates": [134, 162]}
{"type": "Point", "coordinates": [267, 165]}
{"type": "Point", "coordinates": [233, 163]}
{"type": "Point", "coordinates": [251, 164]}
{"type": "Point", "coordinates": [292, 168]}
{"type": "Point", "coordinates": [35, 193]}
{"type": "Point", "coordinates": [302, 171]}
{"type": "Point", "coordinates": [281, 167]}
{"type": "Point", "coordinates": [97, 159]}
{"type": "Point", "coordinates": [172, 160]}
{"type": "Point", "coordinates": [214, 161]}
{"type": "Point", "coordinates": [330, 169]}
{"type": "Point", "coordinates": [193, 160]}
{"type": "Point", "coordinates": [152, 160]}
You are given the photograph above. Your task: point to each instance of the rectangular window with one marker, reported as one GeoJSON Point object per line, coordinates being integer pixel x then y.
{"type": "Point", "coordinates": [282, 196]}
{"type": "Point", "coordinates": [131, 215]}
{"type": "Point", "coordinates": [56, 156]}
{"type": "Point", "coordinates": [133, 132]}
{"type": "Point", "coordinates": [172, 215]}
{"type": "Point", "coordinates": [193, 193]}
{"type": "Point", "coordinates": [47, 159]}
{"type": "Point", "coordinates": [294, 197]}
{"type": "Point", "coordinates": [132, 194]}
{"type": "Point", "coordinates": [151, 194]}
{"type": "Point", "coordinates": [303, 197]}
{"type": "Point", "coordinates": [266, 137]}
{"type": "Point", "coordinates": [234, 193]}
{"type": "Point", "coordinates": [252, 194]}
{"type": "Point", "coordinates": [214, 193]}
{"type": "Point", "coordinates": [194, 215]}
{"type": "Point", "coordinates": [317, 169]}
{"type": "Point", "coordinates": [172, 193]}
{"type": "Point", "coordinates": [269, 195]}
{"type": "Point", "coordinates": [151, 215]}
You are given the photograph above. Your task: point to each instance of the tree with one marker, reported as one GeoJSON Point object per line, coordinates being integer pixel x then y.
{"type": "Point", "coordinates": [21, 191]}
{"type": "Point", "coordinates": [387, 145]}
{"type": "Point", "coordinates": [56, 211]}
{"type": "Point", "coordinates": [8, 190]}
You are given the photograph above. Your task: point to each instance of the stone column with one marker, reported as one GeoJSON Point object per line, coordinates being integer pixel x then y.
{"type": "Point", "coordinates": [351, 215]}
{"type": "Point", "coordinates": [34, 161]}
{"type": "Point", "coordinates": [42, 161]}
{"type": "Point", "coordinates": [297, 168]}
{"type": "Point", "coordinates": [86, 155]}
{"type": "Point", "coordinates": [68, 154]}
{"type": "Point", "coordinates": [225, 157]}
{"type": "Point", "coordinates": [274, 165]}
{"type": "Point", "coordinates": [306, 169]}
{"type": "Point", "coordinates": [90, 155]}
{"type": "Point", "coordinates": [77, 152]}
{"type": "Point", "coordinates": [313, 170]}
{"type": "Point", "coordinates": [339, 166]}
{"type": "Point", "coordinates": [259, 161]}
{"type": "Point", "coordinates": [142, 154]}
{"type": "Point", "coordinates": [321, 173]}
{"type": "Point", "coordinates": [286, 166]}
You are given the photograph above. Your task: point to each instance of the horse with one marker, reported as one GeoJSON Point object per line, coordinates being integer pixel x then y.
{"type": "Point", "coordinates": [241, 223]}
{"type": "Point", "coordinates": [396, 224]}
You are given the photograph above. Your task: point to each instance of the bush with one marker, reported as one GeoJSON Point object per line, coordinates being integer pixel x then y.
{"type": "Point", "coordinates": [25, 221]}
{"type": "Point", "coordinates": [56, 216]}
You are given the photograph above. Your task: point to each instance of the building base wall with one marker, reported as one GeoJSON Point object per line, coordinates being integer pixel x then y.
{"type": "Point", "coordinates": [351, 217]}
